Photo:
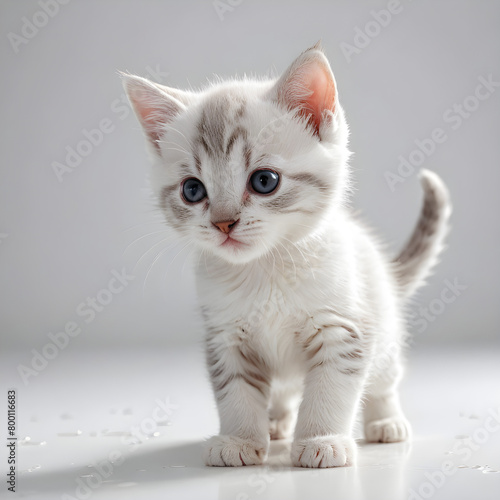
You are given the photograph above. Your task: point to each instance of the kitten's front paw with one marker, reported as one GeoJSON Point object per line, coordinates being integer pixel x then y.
{"type": "Point", "coordinates": [231, 451]}
{"type": "Point", "coordinates": [387, 430]}
{"type": "Point", "coordinates": [336, 450]}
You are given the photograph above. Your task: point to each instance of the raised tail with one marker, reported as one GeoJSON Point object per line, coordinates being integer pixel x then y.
{"type": "Point", "coordinates": [420, 255]}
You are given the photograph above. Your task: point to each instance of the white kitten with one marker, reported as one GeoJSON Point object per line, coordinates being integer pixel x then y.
{"type": "Point", "coordinates": [301, 305]}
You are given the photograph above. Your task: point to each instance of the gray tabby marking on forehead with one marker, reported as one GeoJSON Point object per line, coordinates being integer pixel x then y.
{"type": "Point", "coordinates": [241, 110]}
{"type": "Point", "coordinates": [197, 163]}
{"type": "Point", "coordinates": [221, 113]}
{"type": "Point", "coordinates": [238, 132]}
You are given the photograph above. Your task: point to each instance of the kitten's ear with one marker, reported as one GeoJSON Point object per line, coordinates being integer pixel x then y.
{"type": "Point", "coordinates": [308, 86]}
{"type": "Point", "coordinates": [155, 105]}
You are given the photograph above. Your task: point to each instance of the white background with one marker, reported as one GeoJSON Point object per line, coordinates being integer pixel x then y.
{"type": "Point", "coordinates": [65, 238]}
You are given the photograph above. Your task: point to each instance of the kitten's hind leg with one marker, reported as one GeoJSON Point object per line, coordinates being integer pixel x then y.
{"type": "Point", "coordinates": [384, 421]}
{"type": "Point", "coordinates": [285, 399]}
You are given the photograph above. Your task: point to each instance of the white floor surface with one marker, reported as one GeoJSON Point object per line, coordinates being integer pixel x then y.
{"type": "Point", "coordinates": [130, 425]}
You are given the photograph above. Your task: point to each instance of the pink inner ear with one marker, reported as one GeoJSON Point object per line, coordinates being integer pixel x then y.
{"type": "Point", "coordinates": [145, 111]}
{"type": "Point", "coordinates": [151, 114]}
{"type": "Point", "coordinates": [318, 79]}
{"type": "Point", "coordinates": [153, 107]}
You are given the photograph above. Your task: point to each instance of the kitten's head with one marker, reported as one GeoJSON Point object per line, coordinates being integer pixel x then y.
{"type": "Point", "coordinates": [246, 166]}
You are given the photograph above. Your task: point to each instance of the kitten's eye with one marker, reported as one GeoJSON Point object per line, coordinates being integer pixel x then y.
{"type": "Point", "coordinates": [264, 181]}
{"type": "Point", "coordinates": [193, 190]}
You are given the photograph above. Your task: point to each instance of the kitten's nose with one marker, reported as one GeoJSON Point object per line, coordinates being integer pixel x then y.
{"type": "Point", "coordinates": [225, 226]}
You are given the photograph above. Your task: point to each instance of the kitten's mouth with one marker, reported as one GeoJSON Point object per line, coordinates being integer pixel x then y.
{"type": "Point", "coordinates": [232, 243]}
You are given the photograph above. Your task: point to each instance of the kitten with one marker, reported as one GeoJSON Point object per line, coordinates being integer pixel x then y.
{"type": "Point", "coordinates": [304, 312]}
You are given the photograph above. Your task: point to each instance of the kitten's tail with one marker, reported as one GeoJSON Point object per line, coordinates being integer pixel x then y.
{"type": "Point", "coordinates": [418, 257]}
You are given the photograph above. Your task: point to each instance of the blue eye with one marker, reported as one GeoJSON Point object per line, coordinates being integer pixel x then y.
{"type": "Point", "coordinates": [264, 181]}
{"type": "Point", "coordinates": [193, 190]}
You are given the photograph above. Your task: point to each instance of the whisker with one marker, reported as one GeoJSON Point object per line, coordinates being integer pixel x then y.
{"type": "Point", "coordinates": [177, 149]}
{"type": "Point", "coordinates": [206, 267]}
{"type": "Point", "coordinates": [177, 254]}
{"type": "Point", "coordinates": [151, 268]}
{"type": "Point", "coordinates": [182, 160]}
{"type": "Point", "coordinates": [142, 237]}
{"type": "Point", "coordinates": [303, 256]}
{"type": "Point", "coordinates": [291, 258]}
{"type": "Point", "coordinates": [268, 252]}
{"type": "Point", "coordinates": [181, 134]}
{"type": "Point", "coordinates": [304, 225]}
{"type": "Point", "coordinates": [152, 248]}
{"type": "Point", "coordinates": [199, 257]}
{"type": "Point", "coordinates": [281, 257]}
{"type": "Point", "coordinates": [141, 225]}
{"type": "Point", "coordinates": [177, 243]}
{"type": "Point", "coordinates": [187, 259]}
{"type": "Point", "coordinates": [156, 259]}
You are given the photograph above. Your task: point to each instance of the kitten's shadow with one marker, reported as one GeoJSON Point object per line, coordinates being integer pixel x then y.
{"type": "Point", "coordinates": [143, 465]}
{"type": "Point", "coordinates": [167, 464]}
{"type": "Point", "coordinates": [170, 463]}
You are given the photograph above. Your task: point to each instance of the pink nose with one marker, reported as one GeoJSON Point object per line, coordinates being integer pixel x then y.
{"type": "Point", "coordinates": [225, 226]}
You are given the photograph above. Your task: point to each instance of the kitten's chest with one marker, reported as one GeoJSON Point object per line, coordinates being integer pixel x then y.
{"type": "Point", "coordinates": [265, 297]}
{"type": "Point", "coordinates": [265, 307]}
